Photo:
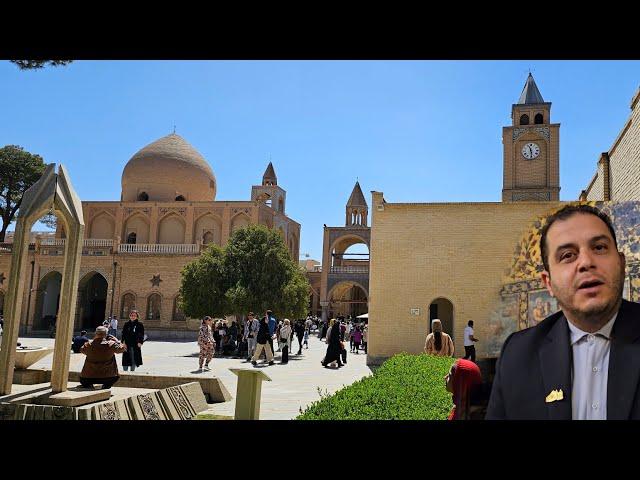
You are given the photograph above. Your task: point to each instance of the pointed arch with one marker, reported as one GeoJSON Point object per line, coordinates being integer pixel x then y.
{"type": "Point", "coordinates": [171, 229]}
{"type": "Point", "coordinates": [240, 220]}
{"type": "Point", "coordinates": [139, 224]}
{"type": "Point", "coordinates": [103, 225]}
{"type": "Point", "coordinates": [154, 307]}
{"type": "Point", "coordinates": [210, 224]}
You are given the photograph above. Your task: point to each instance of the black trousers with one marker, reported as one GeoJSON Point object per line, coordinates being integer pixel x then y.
{"type": "Point", "coordinates": [285, 354]}
{"type": "Point", "coordinates": [106, 382]}
{"type": "Point", "coordinates": [470, 353]}
{"type": "Point", "coordinates": [300, 343]}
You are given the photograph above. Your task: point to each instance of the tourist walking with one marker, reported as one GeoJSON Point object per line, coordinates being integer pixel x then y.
{"type": "Point", "coordinates": [285, 339]}
{"type": "Point", "coordinates": [100, 366]}
{"type": "Point", "coordinates": [306, 339]}
{"type": "Point", "coordinates": [469, 339]}
{"type": "Point", "coordinates": [251, 333]}
{"type": "Point", "coordinates": [278, 336]}
{"type": "Point", "coordinates": [462, 381]}
{"type": "Point", "coordinates": [263, 343]}
{"type": "Point", "coordinates": [113, 326]}
{"type": "Point", "coordinates": [272, 322]}
{"type": "Point", "coordinates": [334, 348]}
{"type": "Point", "coordinates": [356, 338]}
{"type": "Point", "coordinates": [365, 337]}
{"type": "Point", "coordinates": [133, 337]}
{"type": "Point", "coordinates": [438, 343]}
{"type": "Point", "coordinates": [300, 330]}
{"type": "Point", "coordinates": [206, 343]}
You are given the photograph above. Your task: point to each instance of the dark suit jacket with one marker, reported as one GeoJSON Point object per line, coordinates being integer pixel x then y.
{"type": "Point", "coordinates": [535, 361]}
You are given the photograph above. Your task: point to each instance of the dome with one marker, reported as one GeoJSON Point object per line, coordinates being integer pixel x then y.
{"type": "Point", "coordinates": [166, 170]}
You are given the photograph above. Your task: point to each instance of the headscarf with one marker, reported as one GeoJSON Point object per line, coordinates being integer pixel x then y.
{"type": "Point", "coordinates": [466, 375]}
{"type": "Point", "coordinates": [436, 327]}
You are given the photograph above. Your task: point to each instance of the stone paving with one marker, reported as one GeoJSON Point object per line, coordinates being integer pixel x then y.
{"type": "Point", "coordinates": [293, 386]}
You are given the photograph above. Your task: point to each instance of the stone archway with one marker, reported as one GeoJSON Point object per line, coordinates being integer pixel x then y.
{"type": "Point", "coordinates": [442, 309]}
{"type": "Point", "coordinates": [47, 301]}
{"type": "Point", "coordinates": [92, 301]}
{"type": "Point", "coordinates": [348, 298]}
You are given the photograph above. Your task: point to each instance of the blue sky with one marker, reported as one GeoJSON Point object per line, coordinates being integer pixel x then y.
{"type": "Point", "coordinates": [419, 131]}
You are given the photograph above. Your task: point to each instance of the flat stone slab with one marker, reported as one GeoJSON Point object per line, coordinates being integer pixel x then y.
{"type": "Point", "coordinates": [74, 397]}
{"type": "Point", "coordinates": [183, 402]}
{"type": "Point", "coordinates": [25, 357]}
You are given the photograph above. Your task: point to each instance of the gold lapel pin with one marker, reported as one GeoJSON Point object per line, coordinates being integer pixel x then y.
{"type": "Point", "coordinates": [554, 396]}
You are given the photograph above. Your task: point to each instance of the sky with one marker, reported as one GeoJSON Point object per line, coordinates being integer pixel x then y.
{"type": "Point", "coordinates": [419, 131]}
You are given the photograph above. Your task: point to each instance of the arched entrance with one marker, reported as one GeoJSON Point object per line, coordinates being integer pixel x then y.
{"type": "Point", "coordinates": [92, 301]}
{"type": "Point", "coordinates": [442, 309]}
{"type": "Point", "coordinates": [47, 301]}
{"type": "Point", "coordinates": [347, 298]}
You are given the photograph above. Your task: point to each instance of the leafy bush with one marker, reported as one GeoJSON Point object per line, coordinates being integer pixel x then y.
{"type": "Point", "coordinates": [405, 387]}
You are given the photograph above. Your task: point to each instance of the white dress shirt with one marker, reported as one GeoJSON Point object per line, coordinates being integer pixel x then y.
{"type": "Point", "coordinates": [590, 371]}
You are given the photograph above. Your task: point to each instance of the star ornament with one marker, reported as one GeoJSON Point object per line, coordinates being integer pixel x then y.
{"type": "Point", "coordinates": [155, 281]}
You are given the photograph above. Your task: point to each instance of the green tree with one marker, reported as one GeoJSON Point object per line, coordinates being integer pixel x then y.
{"type": "Point", "coordinates": [19, 170]}
{"type": "Point", "coordinates": [202, 291]}
{"type": "Point", "coordinates": [253, 272]}
{"type": "Point", "coordinates": [37, 64]}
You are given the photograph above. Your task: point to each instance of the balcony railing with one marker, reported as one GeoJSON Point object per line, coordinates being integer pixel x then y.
{"type": "Point", "coordinates": [159, 248]}
{"type": "Point", "coordinates": [88, 242]}
{"type": "Point", "coordinates": [7, 247]}
{"type": "Point", "coordinates": [350, 269]}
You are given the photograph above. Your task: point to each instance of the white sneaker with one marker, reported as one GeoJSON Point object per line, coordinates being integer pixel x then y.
{"type": "Point", "coordinates": [207, 367]}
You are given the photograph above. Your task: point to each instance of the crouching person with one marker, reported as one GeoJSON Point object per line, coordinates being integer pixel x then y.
{"type": "Point", "coordinates": [100, 365]}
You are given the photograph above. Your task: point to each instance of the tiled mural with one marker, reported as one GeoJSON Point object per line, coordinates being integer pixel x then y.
{"type": "Point", "coordinates": [523, 299]}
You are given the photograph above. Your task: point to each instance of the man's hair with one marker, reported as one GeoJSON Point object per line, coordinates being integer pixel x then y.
{"type": "Point", "coordinates": [269, 312]}
{"type": "Point", "coordinates": [83, 332]}
{"type": "Point", "coordinates": [102, 331]}
{"type": "Point", "coordinates": [564, 214]}
{"type": "Point", "coordinates": [250, 314]}
{"type": "Point", "coordinates": [470, 323]}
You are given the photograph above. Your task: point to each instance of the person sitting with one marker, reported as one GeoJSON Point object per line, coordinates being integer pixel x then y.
{"type": "Point", "coordinates": [100, 365]}
{"type": "Point", "coordinates": [79, 341]}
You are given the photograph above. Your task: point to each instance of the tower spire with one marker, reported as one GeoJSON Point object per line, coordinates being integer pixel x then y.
{"type": "Point", "coordinates": [530, 93]}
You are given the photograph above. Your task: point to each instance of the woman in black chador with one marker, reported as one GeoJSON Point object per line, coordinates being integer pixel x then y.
{"type": "Point", "coordinates": [133, 337]}
{"type": "Point", "coordinates": [334, 348]}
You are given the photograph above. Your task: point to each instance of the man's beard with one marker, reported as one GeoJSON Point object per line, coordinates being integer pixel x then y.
{"type": "Point", "coordinates": [594, 315]}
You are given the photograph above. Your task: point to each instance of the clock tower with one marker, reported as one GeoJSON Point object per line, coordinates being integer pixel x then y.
{"type": "Point", "coordinates": [531, 150]}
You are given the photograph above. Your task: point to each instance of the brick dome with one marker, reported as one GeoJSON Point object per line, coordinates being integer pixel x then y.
{"type": "Point", "coordinates": [166, 170]}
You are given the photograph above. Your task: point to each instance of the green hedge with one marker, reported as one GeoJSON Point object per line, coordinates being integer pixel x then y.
{"type": "Point", "coordinates": [405, 387]}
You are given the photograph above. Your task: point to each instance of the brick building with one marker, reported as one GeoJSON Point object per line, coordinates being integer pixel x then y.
{"type": "Point", "coordinates": [135, 248]}
{"type": "Point", "coordinates": [481, 261]}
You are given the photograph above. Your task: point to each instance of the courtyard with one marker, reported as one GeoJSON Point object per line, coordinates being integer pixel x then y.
{"type": "Point", "coordinates": [293, 387]}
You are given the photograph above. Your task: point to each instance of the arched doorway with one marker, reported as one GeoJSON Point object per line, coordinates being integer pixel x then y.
{"type": "Point", "coordinates": [92, 301]}
{"type": "Point", "coordinates": [442, 309]}
{"type": "Point", "coordinates": [47, 301]}
{"type": "Point", "coordinates": [347, 298]}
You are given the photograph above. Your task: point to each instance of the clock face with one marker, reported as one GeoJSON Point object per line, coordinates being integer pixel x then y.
{"type": "Point", "coordinates": [530, 151]}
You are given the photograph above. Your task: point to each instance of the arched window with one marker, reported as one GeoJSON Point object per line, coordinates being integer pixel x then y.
{"type": "Point", "coordinates": [524, 119]}
{"type": "Point", "coordinates": [180, 198]}
{"type": "Point", "coordinates": [538, 119]}
{"type": "Point", "coordinates": [131, 238]}
{"type": "Point", "coordinates": [128, 304]}
{"type": "Point", "coordinates": [178, 314]}
{"type": "Point", "coordinates": [153, 307]}
{"type": "Point", "coordinates": [143, 197]}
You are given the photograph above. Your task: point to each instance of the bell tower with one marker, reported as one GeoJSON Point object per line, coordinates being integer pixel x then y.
{"type": "Point", "coordinates": [531, 150]}
{"type": "Point", "coordinates": [269, 192]}
{"type": "Point", "coordinates": [357, 208]}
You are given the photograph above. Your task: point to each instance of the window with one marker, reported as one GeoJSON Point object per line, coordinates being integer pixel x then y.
{"type": "Point", "coordinates": [178, 314]}
{"type": "Point", "coordinates": [524, 119]}
{"type": "Point", "coordinates": [153, 307]}
{"type": "Point", "coordinates": [180, 198]}
{"type": "Point", "coordinates": [128, 304]}
{"type": "Point", "coordinates": [143, 197]}
{"type": "Point", "coordinates": [538, 119]}
{"type": "Point", "coordinates": [131, 238]}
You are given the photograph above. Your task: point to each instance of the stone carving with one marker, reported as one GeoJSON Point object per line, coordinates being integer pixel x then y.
{"type": "Point", "coordinates": [155, 281]}
{"type": "Point", "coordinates": [531, 196]}
{"type": "Point", "coordinates": [543, 131]}
{"type": "Point", "coordinates": [108, 411]}
{"type": "Point", "coordinates": [148, 407]}
{"type": "Point", "coordinates": [180, 211]}
{"type": "Point", "coordinates": [238, 210]}
{"type": "Point", "coordinates": [145, 210]}
{"type": "Point", "coordinates": [204, 210]}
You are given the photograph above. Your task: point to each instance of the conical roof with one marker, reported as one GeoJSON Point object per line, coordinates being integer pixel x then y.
{"type": "Point", "coordinates": [270, 174]}
{"type": "Point", "coordinates": [530, 93]}
{"type": "Point", "coordinates": [357, 198]}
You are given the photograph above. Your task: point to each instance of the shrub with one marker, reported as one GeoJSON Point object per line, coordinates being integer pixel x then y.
{"type": "Point", "coordinates": [405, 387]}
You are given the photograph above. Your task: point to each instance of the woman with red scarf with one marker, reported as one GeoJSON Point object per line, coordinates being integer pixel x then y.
{"type": "Point", "coordinates": [461, 380]}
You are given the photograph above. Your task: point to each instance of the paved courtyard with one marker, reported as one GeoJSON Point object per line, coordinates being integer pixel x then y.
{"type": "Point", "coordinates": [293, 386]}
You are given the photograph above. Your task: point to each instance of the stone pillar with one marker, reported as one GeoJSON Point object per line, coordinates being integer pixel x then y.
{"type": "Point", "coordinates": [248, 393]}
{"type": "Point", "coordinates": [325, 310]}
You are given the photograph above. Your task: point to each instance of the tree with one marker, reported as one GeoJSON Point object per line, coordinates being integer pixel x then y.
{"type": "Point", "coordinates": [37, 64]}
{"type": "Point", "coordinates": [256, 274]}
{"type": "Point", "coordinates": [202, 291]}
{"type": "Point", "coordinates": [19, 170]}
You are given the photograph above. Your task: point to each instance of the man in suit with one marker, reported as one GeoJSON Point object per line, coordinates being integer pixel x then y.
{"type": "Point", "coordinates": [582, 362]}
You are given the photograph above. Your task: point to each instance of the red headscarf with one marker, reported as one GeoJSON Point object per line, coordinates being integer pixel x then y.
{"type": "Point", "coordinates": [466, 375]}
